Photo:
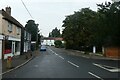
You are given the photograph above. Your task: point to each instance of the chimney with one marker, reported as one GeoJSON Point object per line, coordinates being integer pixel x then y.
{"type": "Point", "coordinates": [8, 10]}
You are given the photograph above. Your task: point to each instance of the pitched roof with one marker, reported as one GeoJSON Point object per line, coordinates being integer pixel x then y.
{"type": "Point", "coordinates": [9, 18]}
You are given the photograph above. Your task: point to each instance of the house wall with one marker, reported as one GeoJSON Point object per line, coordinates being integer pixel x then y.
{"type": "Point", "coordinates": [1, 37]}
{"type": "Point", "coordinates": [0, 49]}
{"type": "Point", "coordinates": [112, 52]}
{"type": "Point", "coordinates": [0, 24]}
{"type": "Point", "coordinates": [14, 30]}
{"type": "Point", "coordinates": [13, 36]}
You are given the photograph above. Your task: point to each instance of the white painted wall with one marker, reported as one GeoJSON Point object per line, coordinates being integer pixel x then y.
{"type": "Point", "coordinates": [17, 53]}
{"type": "Point", "coordinates": [6, 55]}
{"type": "Point", "coordinates": [48, 42]}
{"type": "Point", "coordinates": [0, 23]}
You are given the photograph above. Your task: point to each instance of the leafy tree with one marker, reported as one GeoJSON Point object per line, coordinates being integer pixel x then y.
{"type": "Point", "coordinates": [111, 25]}
{"type": "Point", "coordinates": [58, 43]}
{"type": "Point", "coordinates": [55, 33]}
{"type": "Point", "coordinates": [89, 28]}
{"type": "Point", "coordinates": [32, 28]}
{"type": "Point", "coordinates": [78, 28]}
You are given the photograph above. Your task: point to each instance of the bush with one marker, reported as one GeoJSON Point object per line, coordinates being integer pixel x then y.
{"type": "Point", "coordinates": [58, 43]}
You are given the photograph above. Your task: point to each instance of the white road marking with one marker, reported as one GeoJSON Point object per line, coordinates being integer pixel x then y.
{"type": "Point", "coordinates": [53, 51]}
{"type": "Point", "coordinates": [61, 57]}
{"type": "Point", "coordinates": [111, 70]}
{"type": "Point", "coordinates": [73, 64]}
{"type": "Point", "coordinates": [95, 75]}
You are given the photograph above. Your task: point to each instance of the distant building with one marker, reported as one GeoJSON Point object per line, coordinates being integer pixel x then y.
{"type": "Point", "coordinates": [50, 40]}
{"type": "Point", "coordinates": [10, 34]}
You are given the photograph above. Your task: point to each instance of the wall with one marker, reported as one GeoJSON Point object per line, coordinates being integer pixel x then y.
{"type": "Point", "coordinates": [14, 30]}
{"type": "Point", "coordinates": [0, 49]}
{"type": "Point", "coordinates": [0, 23]}
{"type": "Point", "coordinates": [112, 52]}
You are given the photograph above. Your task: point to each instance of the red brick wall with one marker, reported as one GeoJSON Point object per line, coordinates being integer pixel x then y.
{"type": "Point", "coordinates": [112, 52]}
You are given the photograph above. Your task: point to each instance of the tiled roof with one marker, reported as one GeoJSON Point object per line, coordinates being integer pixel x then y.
{"type": "Point", "coordinates": [9, 18]}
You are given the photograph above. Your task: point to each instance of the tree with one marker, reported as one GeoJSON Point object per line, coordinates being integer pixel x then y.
{"type": "Point", "coordinates": [89, 28]}
{"type": "Point", "coordinates": [55, 33]}
{"type": "Point", "coordinates": [58, 43]}
{"type": "Point", "coordinates": [111, 26]}
{"type": "Point", "coordinates": [32, 28]}
{"type": "Point", "coordinates": [78, 28]}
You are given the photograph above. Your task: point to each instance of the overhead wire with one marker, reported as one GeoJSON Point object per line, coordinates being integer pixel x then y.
{"type": "Point", "coordinates": [26, 9]}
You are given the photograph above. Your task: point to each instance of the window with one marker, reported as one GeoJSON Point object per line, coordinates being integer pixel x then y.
{"type": "Point", "coordinates": [9, 27]}
{"type": "Point", "coordinates": [18, 30]}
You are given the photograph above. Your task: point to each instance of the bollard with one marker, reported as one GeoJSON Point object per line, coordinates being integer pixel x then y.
{"type": "Point", "coordinates": [9, 62]}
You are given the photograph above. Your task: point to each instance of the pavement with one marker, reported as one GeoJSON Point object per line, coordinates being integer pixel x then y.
{"type": "Point", "coordinates": [90, 55]}
{"type": "Point", "coordinates": [18, 61]}
{"type": "Point", "coordinates": [94, 55]}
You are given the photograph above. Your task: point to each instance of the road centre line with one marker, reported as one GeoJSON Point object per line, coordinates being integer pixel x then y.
{"type": "Point", "coordinates": [53, 51]}
{"type": "Point", "coordinates": [95, 75]}
{"type": "Point", "coordinates": [110, 70]}
{"type": "Point", "coordinates": [73, 64]}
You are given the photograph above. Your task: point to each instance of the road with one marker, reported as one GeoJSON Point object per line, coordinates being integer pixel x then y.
{"type": "Point", "coordinates": [57, 63]}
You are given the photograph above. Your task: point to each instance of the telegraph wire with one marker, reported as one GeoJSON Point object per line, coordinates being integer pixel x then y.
{"type": "Point", "coordinates": [26, 9]}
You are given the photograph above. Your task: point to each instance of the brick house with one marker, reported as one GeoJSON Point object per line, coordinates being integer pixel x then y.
{"type": "Point", "coordinates": [10, 34]}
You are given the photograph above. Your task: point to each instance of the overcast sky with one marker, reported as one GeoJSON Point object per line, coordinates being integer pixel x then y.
{"type": "Point", "coordinates": [47, 13]}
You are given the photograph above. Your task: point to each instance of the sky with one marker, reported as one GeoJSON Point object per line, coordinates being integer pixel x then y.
{"type": "Point", "coordinates": [47, 13]}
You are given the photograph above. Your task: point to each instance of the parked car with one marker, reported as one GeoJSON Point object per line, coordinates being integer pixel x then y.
{"type": "Point", "coordinates": [43, 48]}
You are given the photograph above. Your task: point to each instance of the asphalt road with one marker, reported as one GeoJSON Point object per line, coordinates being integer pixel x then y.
{"type": "Point", "coordinates": [56, 63]}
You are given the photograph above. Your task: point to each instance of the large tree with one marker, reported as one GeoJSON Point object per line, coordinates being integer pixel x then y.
{"type": "Point", "coordinates": [32, 28]}
{"type": "Point", "coordinates": [55, 33]}
{"type": "Point", "coordinates": [110, 23]}
{"type": "Point", "coordinates": [78, 28]}
{"type": "Point", "coordinates": [89, 28]}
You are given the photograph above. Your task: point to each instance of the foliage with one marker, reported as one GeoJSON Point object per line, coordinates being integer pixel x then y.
{"type": "Point", "coordinates": [111, 26]}
{"type": "Point", "coordinates": [58, 43]}
{"type": "Point", "coordinates": [32, 28]}
{"type": "Point", "coordinates": [78, 28]}
{"type": "Point", "coordinates": [55, 33]}
{"type": "Point", "coordinates": [86, 28]}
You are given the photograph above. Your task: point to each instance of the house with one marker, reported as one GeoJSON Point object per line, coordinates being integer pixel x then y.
{"type": "Point", "coordinates": [10, 34]}
{"type": "Point", "coordinates": [25, 41]}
